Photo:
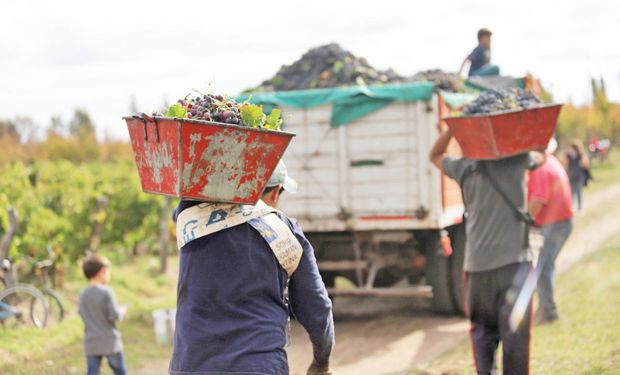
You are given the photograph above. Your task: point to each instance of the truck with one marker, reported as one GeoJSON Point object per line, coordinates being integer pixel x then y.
{"type": "Point", "coordinates": [375, 209]}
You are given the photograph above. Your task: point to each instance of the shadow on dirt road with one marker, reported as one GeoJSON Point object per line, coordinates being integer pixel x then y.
{"type": "Point", "coordinates": [381, 336]}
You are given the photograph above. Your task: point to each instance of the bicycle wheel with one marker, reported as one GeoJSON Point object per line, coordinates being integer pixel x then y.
{"type": "Point", "coordinates": [56, 310]}
{"type": "Point", "coordinates": [27, 304]}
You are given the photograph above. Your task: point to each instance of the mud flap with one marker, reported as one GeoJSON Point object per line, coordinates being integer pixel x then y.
{"type": "Point", "coordinates": [438, 275]}
{"type": "Point", "coordinates": [457, 288]}
{"type": "Point", "coordinates": [329, 278]}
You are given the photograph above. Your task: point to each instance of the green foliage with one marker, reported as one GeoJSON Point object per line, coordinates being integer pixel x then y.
{"type": "Point", "coordinates": [55, 183]}
{"type": "Point", "coordinates": [57, 206]}
{"type": "Point", "coordinates": [176, 110]}
{"type": "Point", "coordinates": [586, 296]}
{"type": "Point", "coordinates": [274, 120]}
{"type": "Point", "coordinates": [71, 148]}
{"type": "Point", "coordinates": [253, 115]}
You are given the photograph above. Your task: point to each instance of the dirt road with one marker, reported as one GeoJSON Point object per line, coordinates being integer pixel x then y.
{"type": "Point", "coordinates": [388, 337]}
{"type": "Point", "coordinates": [391, 340]}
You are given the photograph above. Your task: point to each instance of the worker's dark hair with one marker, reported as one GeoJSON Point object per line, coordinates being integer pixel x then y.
{"type": "Point", "coordinates": [92, 264]}
{"type": "Point", "coordinates": [269, 189]}
{"type": "Point", "coordinates": [578, 147]}
{"type": "Point", "coordinates": [483, 32]}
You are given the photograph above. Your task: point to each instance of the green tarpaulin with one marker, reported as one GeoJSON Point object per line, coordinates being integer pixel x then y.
{"type": "Point", "coordinates": [348, 103]}
{"type": "Point", "coordinates": [456, 100]}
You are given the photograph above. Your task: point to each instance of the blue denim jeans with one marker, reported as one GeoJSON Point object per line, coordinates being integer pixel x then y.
{"type": "Point", "coordinates": [116, 362]}
{"type": "Point", "coordinates": [555, 236]}
{"type": "Point", "coordinates": [575, 188]}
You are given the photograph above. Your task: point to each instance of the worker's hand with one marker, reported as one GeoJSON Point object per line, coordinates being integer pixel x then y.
{"type": "Point", "coordinates": [442, 127]}
{"type": "Point", "coordinates": [317, 369]}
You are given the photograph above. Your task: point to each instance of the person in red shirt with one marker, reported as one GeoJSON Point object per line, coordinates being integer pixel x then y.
{"type": "Point", "coordinates": [550, 203]}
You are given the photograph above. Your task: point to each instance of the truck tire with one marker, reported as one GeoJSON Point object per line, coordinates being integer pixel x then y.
{"type": "Point", "coordinates": [329, 279]}
{"type": "Point", "coordinates": [438, 275]}
{"type": "Point", "coordinates": [387, 277]}
{"type": "Point", "coordinates": [457, 277]}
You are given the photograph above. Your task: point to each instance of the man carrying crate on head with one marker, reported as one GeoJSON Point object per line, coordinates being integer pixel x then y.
{"type": "Point", "coordinates": [236, 264]}
{"type": "Point", "coordinates": [497, 261]}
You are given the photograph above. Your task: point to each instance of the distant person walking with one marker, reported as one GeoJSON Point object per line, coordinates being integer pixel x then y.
{"type": "Point", "coordinates": [99, 311]}
{"type": "Point", "coordinates": [480, 58]}
{"type": "Point", "coordinates": [549, 197]}
{"type": "Point", "coordinates": [578, 168]}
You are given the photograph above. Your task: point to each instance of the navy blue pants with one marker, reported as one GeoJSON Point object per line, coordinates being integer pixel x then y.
{"type": "Point", "coordinates": [490, 298]}
{"type": "Point", "coordinates": [116, 362]}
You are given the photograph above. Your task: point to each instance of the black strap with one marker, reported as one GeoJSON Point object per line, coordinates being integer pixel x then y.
{"type": "Point", "coordinates": [523, 216]}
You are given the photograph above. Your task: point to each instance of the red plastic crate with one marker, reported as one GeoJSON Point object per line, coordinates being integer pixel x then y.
{"type": "Point", "coordinates": [497, 136]}
{"type": "Point", "coordinates": [202, 160]}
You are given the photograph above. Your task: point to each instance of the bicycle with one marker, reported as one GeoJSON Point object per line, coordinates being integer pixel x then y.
{"type": "Point", "coordinates": [20, 301]}
{"type": "Point", "coordinates": [41, 271]}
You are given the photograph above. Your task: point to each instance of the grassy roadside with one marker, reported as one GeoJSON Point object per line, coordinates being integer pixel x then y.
{"type": "Point", "coordinates": [605, 174]}
{"type": "Point", "coordinates": [58, 350]}
{"type": "Point", "coordinates": [585, 340]}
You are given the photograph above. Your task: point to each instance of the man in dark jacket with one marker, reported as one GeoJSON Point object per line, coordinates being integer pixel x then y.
{"type": "Point", "coordinates": [232, 307]}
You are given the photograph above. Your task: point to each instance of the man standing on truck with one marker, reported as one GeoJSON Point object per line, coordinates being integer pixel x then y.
{"type": "Point", "coordinates": [496, 253]}
{"type": "Point", "coordinates": [236, 263]}
{"type": "Point", "coordinates": [550, 202]}
{"type": "Point", "coordinates": [480, 58]}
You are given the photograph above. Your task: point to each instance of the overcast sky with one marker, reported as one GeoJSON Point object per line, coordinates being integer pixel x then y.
{"type": "Point", "coordinates": [56, 56]}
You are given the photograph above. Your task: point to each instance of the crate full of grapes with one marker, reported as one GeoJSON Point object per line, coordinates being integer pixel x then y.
{"type": "Point", "coordinates": [502, 123]}
{"type": "Point", "coordinates": [208, 148]}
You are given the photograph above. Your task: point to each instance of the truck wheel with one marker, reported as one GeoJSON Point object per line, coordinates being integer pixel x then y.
{"type": "Point", "coordinates": [438, 275]}
{"type": "Point", "coordinates": [329, 279]}
{"type": "Point", "coordinates": [387, 277]}
{"type": "Point", "coordinates": [457, 237]}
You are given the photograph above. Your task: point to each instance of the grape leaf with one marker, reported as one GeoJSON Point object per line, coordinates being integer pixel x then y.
{"type": "Point", "coordinates": [274, 121]}
{"type": "Point", "coordinates": [176, 111]}
{"type": "Point", "coordinates": [252, 115]}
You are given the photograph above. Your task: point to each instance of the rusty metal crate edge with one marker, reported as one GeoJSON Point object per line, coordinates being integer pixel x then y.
{"type": "Point", "coordinates": [207, 161]}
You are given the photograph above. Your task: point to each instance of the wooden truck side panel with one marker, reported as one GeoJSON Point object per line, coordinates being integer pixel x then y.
{"type": "Point", "coordinates": [373, 174]}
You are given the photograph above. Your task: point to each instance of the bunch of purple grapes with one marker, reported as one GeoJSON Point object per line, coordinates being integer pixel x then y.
{"type": "Point", "coordinates": [500, 100]}
{"type": "Point", "coordinates": [211, 107]}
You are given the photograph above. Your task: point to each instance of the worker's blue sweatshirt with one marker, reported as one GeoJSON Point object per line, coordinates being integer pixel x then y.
{"type": "Point", "coordinates": [231, 309]}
